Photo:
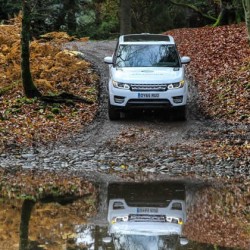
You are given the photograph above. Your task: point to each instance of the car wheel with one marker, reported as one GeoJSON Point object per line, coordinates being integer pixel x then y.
{"type": "Point", "coordinates": [180, 113]}
{"type": "Point", "coordinates": [114, 114]}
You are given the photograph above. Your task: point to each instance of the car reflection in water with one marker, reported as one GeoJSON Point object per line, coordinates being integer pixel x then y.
{"type": "Point", "coordinates": [146, 216]}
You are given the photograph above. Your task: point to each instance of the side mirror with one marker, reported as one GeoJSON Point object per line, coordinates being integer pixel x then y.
{"type": "Point", "coordinates": [185, 59]}
{"type": "Point", "coordinates": [108, 59]}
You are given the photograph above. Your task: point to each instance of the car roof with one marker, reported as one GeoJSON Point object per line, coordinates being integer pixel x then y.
{"type": "Point", "coordinates": [146, 37]}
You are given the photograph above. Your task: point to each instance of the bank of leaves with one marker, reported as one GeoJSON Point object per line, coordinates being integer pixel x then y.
{"type": "Point", "coordinates": [220, 216]}
{"type": "Point", "coordinates": [37, 185]}
{"type": "Point", "coordinates": [25, 121]}
{"type": "Point", "coordinates": [221, 68]}
{"type": "Point", "coordinates": [51, 225]}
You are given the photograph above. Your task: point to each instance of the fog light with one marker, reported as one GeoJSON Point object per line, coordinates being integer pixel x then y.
{"type": "Point", "coordinates": [119, 99]}
{"type": "Point", "coordinates": [178, 99]}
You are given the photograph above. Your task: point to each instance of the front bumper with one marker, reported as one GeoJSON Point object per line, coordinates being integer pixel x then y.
{"type": "Point", "coordinates": [126, 99]}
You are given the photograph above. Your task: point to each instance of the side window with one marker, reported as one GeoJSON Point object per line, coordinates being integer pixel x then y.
{"type": "Point", "coordinates": [119, 56]}
{"type": "Point", "coordinates": [115, 54]}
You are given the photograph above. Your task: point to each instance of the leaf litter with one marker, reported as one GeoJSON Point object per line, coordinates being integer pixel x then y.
{"type": "Point", "coordinates": [28, 122]}
{"type": "Point", "coordinates": [220, 67]}
{"type": "Point", "coordinates": [24, 121]}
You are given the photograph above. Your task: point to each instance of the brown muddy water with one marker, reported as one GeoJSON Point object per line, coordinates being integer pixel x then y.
{"type": "Point", "coordinates": [134, 216]}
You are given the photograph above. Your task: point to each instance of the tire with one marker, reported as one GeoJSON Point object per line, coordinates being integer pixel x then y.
{"type": "Point", "coordinates": [180, 113]}
{"type": "Point", "coordinates": [113, 113]}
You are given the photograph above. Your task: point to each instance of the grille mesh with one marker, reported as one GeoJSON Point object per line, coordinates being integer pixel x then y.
{"type": "Point", "coordinates": [147, 218]}
{"type": "Point", "coordinates": [149, 87]}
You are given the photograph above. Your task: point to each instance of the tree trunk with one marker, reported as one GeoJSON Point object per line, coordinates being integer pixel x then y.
{"type": "Point", "coordinates": [219, 19]}
{"type": "Point", "coordinates": [62, 15]}
{"type": "Point", "coordinates": [67, 16]}
{"type": "Point", "coordinates": [125, 17]}
{"type": "Point", "coordinates": [228, 14]}
{"type": "Point", "coordinates": [194, 8]}
{"type": "Point", "coordinates": [30, 89]}
{"type": "Point", "coordinates": [71, 18]}
{"type": "Point", "coordinates": [246, 5]}
{"type": "Point", "coordinates": [24, 224]}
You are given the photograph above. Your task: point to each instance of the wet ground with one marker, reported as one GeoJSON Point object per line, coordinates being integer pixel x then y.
{"type": "Point", "coordinates": [160, 215]}
{"type": "Point", "coordinates": [143, 147]}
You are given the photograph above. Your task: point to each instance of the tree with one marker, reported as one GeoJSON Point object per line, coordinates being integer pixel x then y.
{"type": "Point", "coordinates": [29, 87]}
{"type": "Point", "coordinates": [229, 10]}
{"type": "Point", "coordinates": [67, 15]}
{"type": "Point", "coordinates": [246, 6]}
{"type": "Point", "coordinates": [125, 17]}
{"type": "Point", "coordinates": [24, 224]}
{"type": "Point", "coordinates": [194, 8]}
{"type": "Point", "coordinates": [9, 8]}
{"type": "Point", "coordinates": [71, 18]}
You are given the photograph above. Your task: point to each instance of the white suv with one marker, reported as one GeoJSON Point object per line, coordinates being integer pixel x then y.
{"type": "Point", "coordinates": [146, 71]}
{"type": "Point", "coordinates": [162, 220]}
{"type": "Point", "coordinates": [150, 227]}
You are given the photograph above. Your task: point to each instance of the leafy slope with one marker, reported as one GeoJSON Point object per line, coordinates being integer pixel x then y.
{"type": "Point", "coordinates": [52, 226]}
{"type": "Point", "coordinates": [220, 216]}
{"type": "Point", "coordinates": [221, 68]}
{"type": "Point", "coordinates": [42, 184]}
{"type": "Point", "coordinates": [220, 65]}
{"type": "Point", "coordinates": [25, 121]}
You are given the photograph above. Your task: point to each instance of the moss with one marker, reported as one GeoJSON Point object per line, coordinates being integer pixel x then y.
{"type": "Point", "coordinates": [5, 89]}
{"type": "Point", "coordinates": [55, 111]}
{"type": "Point", "coordinates": [50, 116]}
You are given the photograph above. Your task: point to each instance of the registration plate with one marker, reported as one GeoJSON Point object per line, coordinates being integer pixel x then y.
{"type": "Point", "coordinates": [147, 210]}
{"type": "Point", "coordinates": [148, 95]}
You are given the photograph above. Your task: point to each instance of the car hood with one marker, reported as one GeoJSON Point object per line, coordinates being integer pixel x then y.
{"type": "Point", "coordinates": [148, 75]}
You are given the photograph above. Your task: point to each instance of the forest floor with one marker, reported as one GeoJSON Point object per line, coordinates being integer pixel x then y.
{"type": "Point", "coordinates": [75, 140]}
{"type": "Point", "coordinates": [220, 68]}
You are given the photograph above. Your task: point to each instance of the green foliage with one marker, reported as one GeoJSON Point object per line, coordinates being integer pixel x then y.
{"type": "Point", "coordinates": [5, 89]}
{"type": "Point", "coordinates": [9, 8]}
{"type": "Point", "coordinates": [99, 19]}
{"type": "Point", "coordinates": [55, 111]}
{"type": "Point", "coordinates": [25, 100]}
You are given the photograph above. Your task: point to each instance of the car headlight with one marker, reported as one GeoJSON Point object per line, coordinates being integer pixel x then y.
{"type": "Point", "coordinates": [176, 85]}
{"type": "Point", "coordinates": [120, 85]}
{"type": "Point", "coordinates": [119, 219]}
{"type": "Point", "coordinates": [174, 220]}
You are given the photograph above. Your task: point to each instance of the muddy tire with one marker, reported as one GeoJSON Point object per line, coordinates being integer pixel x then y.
{"type": "Point", "coordinates": [180, 113]}
{"type": "Point", "coordinates": [114, 114]}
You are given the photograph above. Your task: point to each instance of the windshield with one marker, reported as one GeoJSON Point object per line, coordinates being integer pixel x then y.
{"type": "Point", "coordinates": [159, 242]}
{"type": "Point", "coordinates": [147, 56]}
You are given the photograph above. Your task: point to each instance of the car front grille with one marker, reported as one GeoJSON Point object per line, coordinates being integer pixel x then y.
{"type": "Point", "coordinates": [147, 218]}
{"type": "Point", "coordinates": [149, 87]}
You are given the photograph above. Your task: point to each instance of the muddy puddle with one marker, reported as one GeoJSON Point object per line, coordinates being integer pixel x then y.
{"type": "Point", "coordinates": [163, 215]}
